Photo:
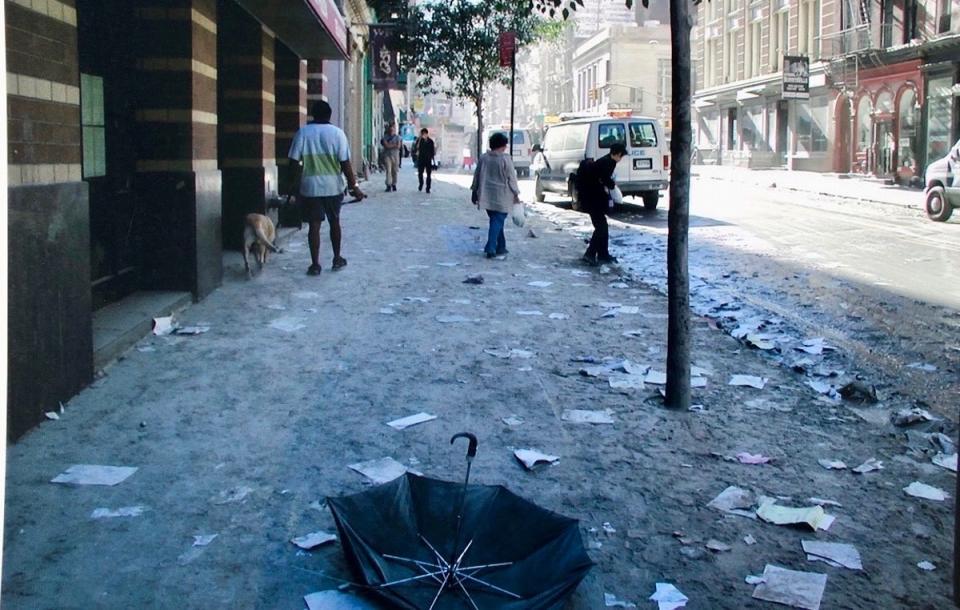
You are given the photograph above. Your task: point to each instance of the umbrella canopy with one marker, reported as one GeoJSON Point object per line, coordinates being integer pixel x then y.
{"type": "Point", "coordinates": [425, 543]}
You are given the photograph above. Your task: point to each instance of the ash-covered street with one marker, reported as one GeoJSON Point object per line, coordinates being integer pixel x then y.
{"type": "Point", "coordinates": [242, 431]}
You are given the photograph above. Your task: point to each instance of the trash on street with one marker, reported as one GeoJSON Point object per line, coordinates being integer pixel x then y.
{"type": "Point", "coordinates": [869, 466]}
{"type": "Point", "coordinates": [93, 474]}
{"type": "Point", "coordinates": [813, 516]}
{"type": "Point", "coordinates": [946, 461]}
{"type": "Point", "coordinates": [163, 326]}
{"type": "Point", "coordinates": [791, 588]}
{"type": "Point", "coordinates": [927, 492]}
{"type": "Point", "coordinates": [312, 540]}
{"type": "Point", "coordinates": [926, 566]}
{"type": "Point", "coordinates": [125, 511]}
{"type": "Point", "coordinates": [530, 458]}
{"type": "Point", "coordinates": [857, 391]}
{"type": "Point", "coordinates": [832, 464]}
{"type": "Point", "coordinates": [411, 420]}
{"type": "Point", "coordinates": [610, 601]}
{"type": "Point", "coordinates": [507, 354]}
{"type": "Point", "coordinates": [836, 554]}
{"type": "Point", "coordinates": [204, 539]}
{"type": "Point", "coordinates": [749, 458]}
{"type": "Point", "coordinates": [579, 416]}
{"type": "Point", "coordinates": [751, 381]}
{"type": "Point", "coordinates": [734, 500]}
{"type": "Point", "coordinates": [905, 417]}
{"type": "Point", "coordinates": [287, 324]}
{"type": "Point", "coordinates": [512, 420]}
{"type": "Point", "coordinates": [668, 597]}
{"type": "Point", "coordinates": [382, 470]}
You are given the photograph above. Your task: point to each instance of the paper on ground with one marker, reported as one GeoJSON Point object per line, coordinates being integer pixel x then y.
{"type": "Point", "coordinates": [512, 420]}
{"type": "Point", "coordinates": [610, 601]}
{"type": "Point", "coordinates": [946, 461]}
{"type": "Point", "coordinates": [844, 555]}
{"type": "Point", "coordinates": [231, 496]}
{"type": "Point", "coordinates": [579, 416]}
{"type": "Point", "coordinates": [380, 471]}
{"type": "Point", "coordinates": [927, 566]}
{"type": "Point", "coordinates": [656, 378]}
{"type": "Point", "coordinates": [529, 312]}
{"type": "Point", "coordinates": [192, 330]}
{"type": "Point", "coordinates": [204, 539]}
{"type": "Point", "coordinates": [313, 540]}
{"type": "Point", "coordinates": [749, 458]}
{"type": "Point", "coordinates": [92, 474]}
{"type": "Point", "coordinates": [163, 326]}
{"type": "Point", "coordinates": [791, 588]}
{"type": "Point", "coordinates": [734, 500]}
{"type": "Point", "coordinates": [751, 381]}
{"type": "Point", "coordinates": [668, 597]}
{"type": "Point", "coordinates": [823, 502]}
{"type": "Point", "coordinates": [125, 511]}
{"type": "Point", "coordinates": [785, 515]}
{"type": "Point", "coordinates": [531, 457]}
{"type": "Point", "coordinates": [540, 284]}
{"type": "Point", "coordinates": [411, 420]}
{"type": "Point", "coordinates": [559, 316]}
{"type": "Point", "coordinates": [510, 353]}
{"type": "Point", "coordinates": [928, 492]}
{"type": "Point", "coordinates": [623, 381]}
{"type": "Point", "coordinates": [869, 466]}
{"type": "Point", "coordinates": [336, 600]}
{"type": "Point", "coordinates": [287, 325]}
{"type": "Point", "coordinates": [832, 464]}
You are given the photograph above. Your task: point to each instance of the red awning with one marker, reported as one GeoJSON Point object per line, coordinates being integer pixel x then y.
{"type": "Point", "coordinates": [313, 29]}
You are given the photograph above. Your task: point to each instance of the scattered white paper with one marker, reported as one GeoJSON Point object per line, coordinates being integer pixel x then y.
{"type": "Point", "coordinates": [416, 299]}
{"type": "Point", "coordinates": [840, 554]}
{"type": "Point", "coordinates": [946, 461]}
{"type": "Point", "coordinates": [610, 601]}
{"type": "Point", "coordinates": [510, 353]}
{"type": "Point", "coordinates": [125, 511]}
{"type": "Point", "coordinates": [559, 316]}
{"type": "Point", "coordinates": [540, 284]}
{"type": "Point", "coordinates": [823, 502]}
{"type": "Point", "coordinates": [163, 326]}
{"type": "Point", "coordinates": [668, 597]}
{"type": "Point", "coordinates": [609, 304]}
{"type": "Point", "coordinates": [204, 539]}
{"type": "Point", "coordinates": [753, 580]}
{"type": "Point", "coordinates": [869, 466]}
{"type": "Point", "coordinates": [232, 496]}
{"type": "Point", "coordinates": [619, 285]}
{"type": "Point", "coordinates": [927, 492]}
{"type": "Point", "coordinates": [276, 307]}
{"type": "Point", "coordinates": [733, 500]}
{"type": "Point", "coordinates": [411, 420]}
{"type": "Point", "coordinates": [313, 540]}
{"type": "Point", "coordinates": [927, 566]}
{"type": "Point", "coordinates": [529, 312]}
{"type": "Point", "coordinates": [387, 311]}
{"type": "Point", "coordinates": [608, 528]}
{"type": "Point", "coordinates": [832, 464]}
{"type": "Point", "coordinates": [92, 474]}
{"type": "Point", "coordinates": [749, 540]}
{"type": "Point", "coordinates": [146, 348]}
{"type": "Point", "coordinates": [751, 381]}
{"type": "Point", "coordinates": [786, 515]}
{"type": "Point", "coordinates": [512, 420]}
{"type": "Point", "coordinates": [336, 600]}
{"type": "Point", "coordinates": [306, 294]}
{"type": "Point", "coordinates": [656, 377]}
{"type": "Point", "coordinates": [288, 325]}
{"type": "Point", "coordinates": [698, 382]}
{"type": "Point", "coordinates": [749, 458]}
{"type": "Point", "coordinates": [636, 333]}
{"type": "Point", "coordinates": [191, 330]}
{"type": "Point", "coordinates": [922, 366]}
{"type": "Point", "coordinates": [791, 588]}
{"type": "Point", "coordinates": [451, 264]}
{"type": "Point", "coordinates": [579, 416]}
{"type": "Point", "coordinates": [531, 458]}
{"type": "Point", "coordinates": [629, 310]}
{"type": "Point", "coordinates": [717, 546]}
{"type": "Point", "coordinates": [380, 471]}
{"type": "Point", "coordinates": [55, 416]}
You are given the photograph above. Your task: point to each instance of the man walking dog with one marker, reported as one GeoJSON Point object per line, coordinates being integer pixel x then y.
{"type": "Point", "coordinates": [324, 152]}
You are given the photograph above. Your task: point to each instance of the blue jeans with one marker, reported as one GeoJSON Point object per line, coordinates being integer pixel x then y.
{"type": "Point", "coordinates": [496, 242]}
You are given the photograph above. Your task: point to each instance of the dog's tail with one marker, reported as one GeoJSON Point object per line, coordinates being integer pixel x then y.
{"type": "Point", "coordinates": [262, 238]}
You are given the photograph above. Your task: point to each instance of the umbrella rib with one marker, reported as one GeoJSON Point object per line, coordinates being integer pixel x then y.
{"type": "Point", "coordinates": [492, 586]}
{"type": "Point", "coordinates": [443, 586]}
{"type": "Point", "coordinates": [467, 593]}
{"type": "Point", "coordinates": [443, 561]}
{"type": "Point", "coordinates": [487, 566]}
{"type": "Point", "coordinates": [433, 575]}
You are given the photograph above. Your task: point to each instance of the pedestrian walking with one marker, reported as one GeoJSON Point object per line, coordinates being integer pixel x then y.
{"type": "Point", "coordinates": [594, 182]}
{"type": "Point", "coordinates": [424, 154]}
{"type": "Point", "coordinates": [495, 190]}
{"type": "Point", "coordinates": [390, 144]}
{"type": "Point", "coordinates": [324, 153]}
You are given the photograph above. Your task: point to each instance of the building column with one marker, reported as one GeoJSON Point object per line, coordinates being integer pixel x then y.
{"type": "Point", "coordinates": [291, 109]}
{"type": "Point", "coordinates": [50, 337]}
{"type": "Point", "coordinates": [178, 184]}
{"type": "Point", "coordinates": [247, 100]}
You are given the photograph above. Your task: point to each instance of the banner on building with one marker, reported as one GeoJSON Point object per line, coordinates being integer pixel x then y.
{"type": "Point", "coordinates": [507, 44]}
{"type": "Point", "coordinates": [384, 55]}
{"type": "Point", "coordinates": [796, 77]}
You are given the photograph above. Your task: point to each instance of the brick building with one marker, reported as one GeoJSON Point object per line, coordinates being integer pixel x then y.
{"type": "Point", "coordinates": [882, 84]}
{"type": "Point", "coordinates": [140, 134]}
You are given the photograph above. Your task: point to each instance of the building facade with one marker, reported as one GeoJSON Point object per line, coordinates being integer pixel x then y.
{"type": "Point", "coordinates": [140, 135]}
{"type": "Point", "coordinates": [867, 66]}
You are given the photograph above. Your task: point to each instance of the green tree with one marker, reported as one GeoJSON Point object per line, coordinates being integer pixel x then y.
{"type": "Point", "coordinates": [678, 219]}
{"type": "Point", "coordinates": [457, 39]}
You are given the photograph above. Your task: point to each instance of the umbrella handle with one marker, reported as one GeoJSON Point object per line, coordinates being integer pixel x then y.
{"type": "Point", "coordinates": [471, 447]}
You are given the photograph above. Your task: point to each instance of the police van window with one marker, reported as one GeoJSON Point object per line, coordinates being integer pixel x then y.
{"type": "Point", "coordinates": [609, 134]}
{"type": "Point", "coordinates": [643, 135]}
{"type": "Point", "coordinates": [554, 138]}
{"type": "Point", "coordinates": [517, 136]}
{"type": "Point", "coordinates": [576, 137]}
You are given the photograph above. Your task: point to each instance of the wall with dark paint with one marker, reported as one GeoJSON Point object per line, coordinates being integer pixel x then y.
{"type": "Point", "coordinates": [50, 336]}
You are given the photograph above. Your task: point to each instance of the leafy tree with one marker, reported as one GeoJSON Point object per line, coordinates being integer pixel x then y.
{"type": "Point", "coordinates": [678, 220]}
{"type": "Point", "coordinates": [457, 39]}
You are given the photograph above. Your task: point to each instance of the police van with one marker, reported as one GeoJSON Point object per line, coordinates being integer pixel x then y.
{"type": "Point", "coordinates": [644, 171]}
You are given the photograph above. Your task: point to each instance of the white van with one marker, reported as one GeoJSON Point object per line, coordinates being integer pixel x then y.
{"type": "Point", "coordinates": [942, 182]}
{"type": "Point", "coordinates": [643, 172]}
{"type": "Point", "coordinates": [521, 146]}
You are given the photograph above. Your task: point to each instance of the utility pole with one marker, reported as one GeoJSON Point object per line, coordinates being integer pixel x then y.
{"type": "Point", "coordinates": [513, 93]}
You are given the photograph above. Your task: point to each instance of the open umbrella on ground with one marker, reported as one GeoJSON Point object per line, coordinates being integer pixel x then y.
{"type": "Point", "coordinates": [427, 544]}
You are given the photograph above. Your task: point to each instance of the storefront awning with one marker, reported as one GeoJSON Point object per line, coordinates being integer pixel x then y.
{"type": "Point", "coordinates": [313, 29]}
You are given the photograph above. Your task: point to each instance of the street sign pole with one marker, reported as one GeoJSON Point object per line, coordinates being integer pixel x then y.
{"type": "Point", "coordinates": [513, 92]}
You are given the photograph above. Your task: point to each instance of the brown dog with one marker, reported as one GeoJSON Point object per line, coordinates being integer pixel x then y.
{"type": "Point", "coordinates": [258, 236]}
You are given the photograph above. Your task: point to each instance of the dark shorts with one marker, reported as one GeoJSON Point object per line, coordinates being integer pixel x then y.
{"type": "Point", "coordinates": [316, 208]}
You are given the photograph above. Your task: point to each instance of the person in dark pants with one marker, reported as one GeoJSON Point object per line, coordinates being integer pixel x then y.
{"type": "Point", "coordinates": [424, 151]}
{"type": "Point", "coordinates": [594, 181]}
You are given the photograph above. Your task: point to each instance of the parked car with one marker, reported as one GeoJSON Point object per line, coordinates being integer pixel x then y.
{"type": "Point", "coordinates": [942, 181]}
{"type": "Point", "coordinates": [521, 147]}
{"type": "Point", "coordinates": [643, 172]}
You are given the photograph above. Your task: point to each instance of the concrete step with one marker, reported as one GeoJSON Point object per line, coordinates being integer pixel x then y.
{"type": "Point", "coordinates": [118, 326]}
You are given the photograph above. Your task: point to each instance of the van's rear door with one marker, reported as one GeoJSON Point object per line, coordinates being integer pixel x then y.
{"type": "Point", "coordinates": [609, 133]}
{"type": "Point", "coordinates": [647, 152]}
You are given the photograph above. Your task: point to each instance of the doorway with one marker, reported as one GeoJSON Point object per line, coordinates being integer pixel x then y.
{"type": "Point", "coordinates": [885, 146]}
{"type": "Point", "coordinates": [108, 140]}
{"type": "Point", "coordinates": [783, 122]}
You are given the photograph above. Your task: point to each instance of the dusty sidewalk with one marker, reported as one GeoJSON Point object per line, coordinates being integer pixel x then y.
{"type": "Point", "coordinates": [251, 410]}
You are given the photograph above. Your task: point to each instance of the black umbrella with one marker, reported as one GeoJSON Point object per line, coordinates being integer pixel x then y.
{"type": "Point", "coordinates": [427, 544]}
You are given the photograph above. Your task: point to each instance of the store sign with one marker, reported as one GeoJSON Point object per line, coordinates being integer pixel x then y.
{"type": "Point", "coordinates": [385, 69]}
{"type": "Point", "coordinates": [507, 44]}
{"type": "Point", "coordinates": [796, 77]}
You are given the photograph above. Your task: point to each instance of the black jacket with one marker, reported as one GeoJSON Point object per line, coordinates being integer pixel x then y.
{"type": "Point", "coordinates": [592, 181]}
{"type": "Point", "coordinates": [424, 150]}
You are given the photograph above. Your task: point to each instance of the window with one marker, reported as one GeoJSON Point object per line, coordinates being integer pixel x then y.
{"type": "Point", "coordinates": [733, 133]}
{"type": "Point", "coordinates": [907, 142]}
{"type": "Point", "coordinates": [812, 125]}
{"type": "Point", "coordinates": [609, 134]}
{"type": "Point", "coordinates": [643, 135]}
{"type": "Point", "coordinates": [909, 20]}
{"type": "Point", "coordinates": [576, 137]}
{"type": "Point", "coordinates": [943, 23]}
{"type": "Point", "coordinates": [779, 35]}
{"type": "Point", "coordinates": [864, 124]}
{"type": "Point", "coordinates": [93, 128]}
{"type": "Point", "coordinates": [517, 136]}
{"type": "Point", "coordinates": [808, 28]}
{"type": "Point", "coordinates": [939, 116]}
{"type": "Point", "coordinates": [554, 138]}
{"type": "Point", "coordinates": [751, 56]}
{"type": "Point", "coordinates": [752, 128]}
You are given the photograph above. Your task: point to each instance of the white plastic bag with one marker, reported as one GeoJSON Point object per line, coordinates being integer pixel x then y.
{"type": "Point", "coordinates": [616, 196]}
{"type": "Point", "coordinates": [518, 214]}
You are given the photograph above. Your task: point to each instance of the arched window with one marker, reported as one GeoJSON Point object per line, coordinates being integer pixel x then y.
{"type": "Point", "coordinates": [864, 123]}
{"type": "Point", "coordinates": [885, 103]}
{"type": "Point", "coordinates": [907, 132]}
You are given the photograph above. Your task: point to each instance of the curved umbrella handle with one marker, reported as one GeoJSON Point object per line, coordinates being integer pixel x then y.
{"type": "Point", "coordinates": [471, 447]}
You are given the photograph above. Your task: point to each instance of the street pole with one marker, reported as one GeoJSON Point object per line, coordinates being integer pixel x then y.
{"type": "Point", "coordinates": [678, 218]}
{"type": "Point", "coordinates": [513, 91]}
